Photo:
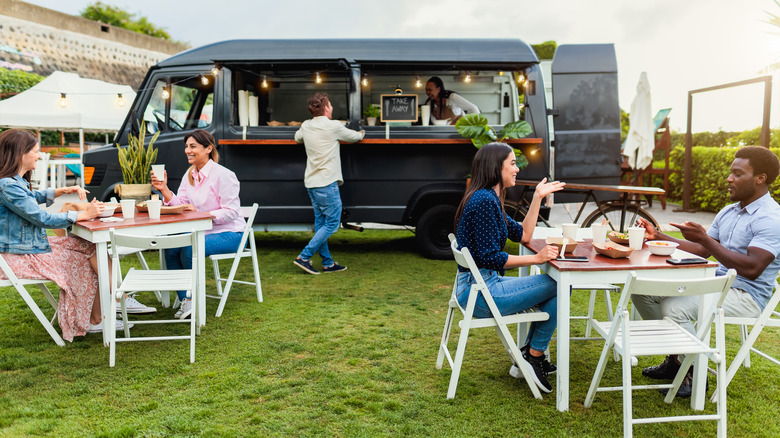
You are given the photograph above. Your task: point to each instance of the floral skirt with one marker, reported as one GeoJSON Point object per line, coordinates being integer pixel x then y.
{"type": "Point", "coordinates": [67, 265]}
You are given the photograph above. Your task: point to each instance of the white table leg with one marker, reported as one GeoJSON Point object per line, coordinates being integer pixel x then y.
{"type": "Point", "coordinates": [201, 286]}
{"type": "Point", "coordinates": [562, 346]}
{"type": "Point", "coordinates": [53, 172]}
{"type": "Point", "coordinates": [107, 305]}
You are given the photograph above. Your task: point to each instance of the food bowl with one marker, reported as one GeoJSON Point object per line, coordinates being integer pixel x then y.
{"type": "Point", "coordinates": [618, 237]}
{"type": "Point", "coordinates": [444, 122]}
{"type": "Point", "coordinates": [612, 250]}
{"type": "Point", "coordinates": [108, 210]}
{"type": "Point", "coordinates": [661, 247]}
{"type": "Point", "coordinates": [558, 241]}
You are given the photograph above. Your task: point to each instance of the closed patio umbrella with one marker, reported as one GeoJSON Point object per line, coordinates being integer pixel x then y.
{"type": "Point", "coordinates": [641, 140]}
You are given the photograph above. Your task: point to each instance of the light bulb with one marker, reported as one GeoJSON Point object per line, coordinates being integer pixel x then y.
{"type": "Point", "coordinates": [63, 100]}
{"type": "Point", "coordinates": [215, 71]}
{"type": "Point", "coordinates": [204, 80]}
{"type": "Point", "coordinates": [264, 84]}
{"type": "Point", "coordinates": [418, 82]}
{"type": "Point", "coordinates": [120, 101]}
{"type": "Point", "coordinates": [364, 81]}
{"type": "Point", "coordinates": [467, 79]}
{"type": "Point", "coordinates": [318, 79]}
{"type": "Point", "coordinates": [165, 94]}
{"type": "Point", "coordinates": [501, 73]}
{"type": "Point", "coordinates": [520, 78]}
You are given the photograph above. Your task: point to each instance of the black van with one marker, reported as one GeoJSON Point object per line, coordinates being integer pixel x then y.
{"type": "Point", "coordinates": [251, 95]}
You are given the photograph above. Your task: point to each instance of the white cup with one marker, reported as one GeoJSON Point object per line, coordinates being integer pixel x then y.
{"type": "Point", "coordinates": [570, 231]}
{"type": "Point", "coordinates": [425, 114]}
{"type": "Point", "coordinates": [636, 237]}
{"type": "Point", "coordinates": [599, 233]}
{"type": "Point", "coordinates": [154, 209]}
{"type": "Point", "coordinates": [159, 171]}
{"type": "Point", "coordinates": [128, 208]}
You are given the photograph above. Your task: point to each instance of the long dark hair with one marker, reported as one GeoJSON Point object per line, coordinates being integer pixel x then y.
{"type": "Point", "coordinates": [13, 144]}
{"type": "Point", "coordinates": [444, 93]}
{"type": "Point", "coordinates": [205, 139]}
{"type": "Point", "coordinates": [485, 173]}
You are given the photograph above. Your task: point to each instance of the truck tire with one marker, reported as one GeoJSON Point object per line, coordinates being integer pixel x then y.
{"type": "Point", "coordinates": [432, 230]}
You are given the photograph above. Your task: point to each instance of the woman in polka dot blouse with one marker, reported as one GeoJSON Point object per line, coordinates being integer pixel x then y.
{"type": "Point", "coordinates": [483, 227]}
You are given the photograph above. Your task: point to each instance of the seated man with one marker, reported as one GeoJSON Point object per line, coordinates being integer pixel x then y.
{"type": "Point", "coordinates": [744, 236]}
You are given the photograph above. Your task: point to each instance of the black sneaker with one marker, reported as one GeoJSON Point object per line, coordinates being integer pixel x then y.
{"type": "Point", "coordinates": [685, 389]}
{"type": "Point", "coordinates": [540, 375]}
{"type": "Point", "coordinates": [335, 267]}
{"type": "Point", "coordinates": [305, 265]}
{"type": "Point", "coordinates": [550, 368]}
{"type": "Point", "coordinates": [666, 370]}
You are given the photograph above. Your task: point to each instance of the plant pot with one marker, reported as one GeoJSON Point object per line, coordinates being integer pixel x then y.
{"type": "Point", "coordinates": [138, 192]}
{"type": "Point", "coordinates": [371, 121]}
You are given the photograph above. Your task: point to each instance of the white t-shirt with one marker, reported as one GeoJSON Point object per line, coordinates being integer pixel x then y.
{"type": "Point", "coordinates": [321, 137]}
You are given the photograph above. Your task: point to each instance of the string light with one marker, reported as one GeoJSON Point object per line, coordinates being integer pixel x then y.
{"type": "Point", "coordinates": [418, 82]}
{"type": "Point", "coordinates": [63, 100]}
{"type": "Point", "coordinates": [120, 100]}
{"type": "Point", "coordinates": [165, 93]}
{"type": "Point", "coordinates": [264, 83]}
{"type": "Point", "coordinates": [501, 73]}
{"type": "Point", "coordinates": [318, 79]}
{"type": "Point", "coordinates": [467, 79]}
{"type": "Point", "coordinates": [215, 71]}
{"type": "Point", "coordinates": [204, 80]}
{"type": "Point", "coordinates": [364, 81]}
{"type": "Point", "coordinates": [520, 78]}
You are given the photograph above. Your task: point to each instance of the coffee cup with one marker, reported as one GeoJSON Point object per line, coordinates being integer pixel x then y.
{"type": "Point", "coordinates": [159, 171]}
{"type": "Point", "coordinates": [425, 114]}
{"type": "Point", "coordinates": [128, 208]}
{"type": "Point", "coordinates": [570, 231]}
{"type": "Point", "coordinates": [153, 207]}
{"type": "Point", "coordinates": [599, 233]}
{"type": "Point", "coordinates": [636, 237]}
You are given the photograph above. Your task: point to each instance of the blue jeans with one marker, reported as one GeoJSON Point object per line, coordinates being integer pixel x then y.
{"type": "Point", "coordinates": [327, 217]}
{"type": "Point", "coordinates": [513, 295]}
{"type": "Point", "coordinates": [217, 243]}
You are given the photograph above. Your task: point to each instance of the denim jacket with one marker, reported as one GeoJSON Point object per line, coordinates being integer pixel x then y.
{"type": "Point", "coordinates": [23, 221]}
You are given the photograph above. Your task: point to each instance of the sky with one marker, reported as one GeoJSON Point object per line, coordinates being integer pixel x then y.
{"type": "Point", "coordinates": [683, 45]}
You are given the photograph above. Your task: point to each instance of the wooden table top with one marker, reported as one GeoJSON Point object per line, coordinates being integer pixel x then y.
{"type": "Point", "coordinates": [142, 219]}
{"type": "Point", "coordinates": [638, 260]}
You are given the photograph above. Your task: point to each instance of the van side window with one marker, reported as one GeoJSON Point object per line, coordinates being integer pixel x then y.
{"type": "Point", "coordinates": [493, 93]}
{"type": "Point", "coordinates": [180, 103]}
{"type": "Point", "coordinates": [266, 97]}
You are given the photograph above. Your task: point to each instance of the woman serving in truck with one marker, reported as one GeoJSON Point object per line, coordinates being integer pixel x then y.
{"type": "Point", "coordinates": [446, 104]}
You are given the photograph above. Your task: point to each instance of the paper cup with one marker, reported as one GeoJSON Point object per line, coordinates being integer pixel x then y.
{"type": "Point", "coordinates": [636, 237]}
{"type": "Point", "coordinates": [154, 209]}
{"type": "Point", "coordinates": [599, 233]}
{"type": "Point", "coordinates": [570, 231]}
{"type": "Point", "coordinates": [159, 171]}
{"type": "Point", "coordinates": [128, 208]}
{"type": "Point", "coordinates": [425, 114]}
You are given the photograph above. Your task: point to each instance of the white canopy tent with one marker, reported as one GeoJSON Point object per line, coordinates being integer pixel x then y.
{"type": "Point", "coordinates": [66, 101]}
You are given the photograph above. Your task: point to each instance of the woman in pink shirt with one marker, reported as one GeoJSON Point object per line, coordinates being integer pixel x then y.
{"type": "Point", "coordinates": [207, 187]}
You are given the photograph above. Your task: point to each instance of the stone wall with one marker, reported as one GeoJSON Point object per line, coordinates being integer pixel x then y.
{"type": "Point", "coordinates": [40, 40]}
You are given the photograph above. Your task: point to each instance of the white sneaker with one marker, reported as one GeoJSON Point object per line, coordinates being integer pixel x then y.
{"type": "Point", "coordinates": [185, 309]}
{"type": "Point", "coordinates": [134, 306]}
{"type": "Point", "coordinates": [98, 328]}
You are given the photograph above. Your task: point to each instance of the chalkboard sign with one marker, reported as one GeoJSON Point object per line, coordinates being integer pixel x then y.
{"type": "Point", "coordinates": [399, 108]}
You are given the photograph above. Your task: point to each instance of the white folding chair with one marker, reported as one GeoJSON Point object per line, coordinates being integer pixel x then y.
{"type": "Point", "coordinates": [499, 322]}
{"type": "Point", "coordinates": [19, 285]}
{"type": "Point", "coordinates": [39, 175]}
{"type": "Point", "coordinates": [222, 294]}
{"type": "Point", "coordinates": [769, 317]}
{"type": "Point", "coordinates": [138, 280]}
{"type": "Point", "coordinates": [658, 337]}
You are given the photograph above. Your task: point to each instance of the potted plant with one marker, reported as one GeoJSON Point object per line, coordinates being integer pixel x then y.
{"type": "Point", "coordinates": [476, 128]}
{"type": "Point", "coordinates": [136, 163]}
{"type": "Point", "coordinates": [371, 113]}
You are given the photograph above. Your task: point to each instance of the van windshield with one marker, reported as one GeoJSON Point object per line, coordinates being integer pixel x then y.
{"type": "Point", "coordinates": [178, 104]}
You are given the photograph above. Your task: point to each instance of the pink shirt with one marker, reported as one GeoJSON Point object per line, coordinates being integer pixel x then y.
{"type": "Point", "coordinates": [215, 191]}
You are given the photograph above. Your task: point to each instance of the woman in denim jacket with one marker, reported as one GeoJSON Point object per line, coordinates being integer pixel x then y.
{"type": "Point", "coordinates": [483, 227]}
{"type": "Point", "coordinates": [68, 261]}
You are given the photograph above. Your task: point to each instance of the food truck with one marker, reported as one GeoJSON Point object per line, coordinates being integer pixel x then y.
{"type": "Point", "coordinates": [251, 95]}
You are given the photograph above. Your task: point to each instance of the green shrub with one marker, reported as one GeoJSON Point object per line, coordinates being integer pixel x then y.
{"type": "Point", "coordinates": [16, 81]}
{"type": "Point", "coordinates": [709, 171]}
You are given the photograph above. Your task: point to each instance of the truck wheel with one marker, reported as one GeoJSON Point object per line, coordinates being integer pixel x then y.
{"type": "Point", "coordinates": [432, 230]}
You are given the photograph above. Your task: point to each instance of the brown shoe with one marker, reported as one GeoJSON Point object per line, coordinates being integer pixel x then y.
{"type": "Point", "coordinates": [666, 370]}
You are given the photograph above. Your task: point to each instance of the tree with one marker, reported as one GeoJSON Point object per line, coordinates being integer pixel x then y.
{"type": "Point", "coordinates": [114, 16]}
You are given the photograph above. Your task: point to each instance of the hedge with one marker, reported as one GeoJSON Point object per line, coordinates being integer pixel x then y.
{"type": "Point", "coordinates": [709, 170]}
{"type": "Point", "coordinates": [16, 81]}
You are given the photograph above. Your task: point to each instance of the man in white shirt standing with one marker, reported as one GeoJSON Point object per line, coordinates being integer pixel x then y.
{"type": "Point", "coordinates": [322, 178]}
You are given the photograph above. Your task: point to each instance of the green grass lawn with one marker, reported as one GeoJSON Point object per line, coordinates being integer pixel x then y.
{"type": "Point", "coordinates": [347, 354]}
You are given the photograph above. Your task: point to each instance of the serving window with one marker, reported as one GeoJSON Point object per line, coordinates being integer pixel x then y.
{"type": "Point", "coordinates": [271, 96]}
{"type": "Point", "coordinates": [495, 93]}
